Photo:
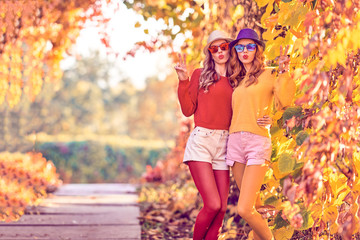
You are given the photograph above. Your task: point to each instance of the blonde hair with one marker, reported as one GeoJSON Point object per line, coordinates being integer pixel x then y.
{"type": "Point", "coordinates": [237, 69]}
{"type": "Point", "coordinates": [209, 76]}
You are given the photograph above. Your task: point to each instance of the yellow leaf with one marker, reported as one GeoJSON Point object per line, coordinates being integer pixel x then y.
{"type": "Point", "coordinates": [334, 227]}
{"type": "Point", "coordinates": [266, 20]}
{"type": "Point", "coordinates": [296, 13]}
{"type": "Point", "coordinates": [356, 98]}
{"type": "Point", "coordinates": [262, 3]}
{"type": "Point", "coordinates": [229, 222]}
{"type": "Point", "coordinates": [339, 199]}
{"type": "Point", "coordinates": [268, 176]}
{"type": "Point", "coordinates": [277, 116]}
{"type": "Point", "coordinates": [330, 214]}
{"type": "Point", "coordinates": [269, 35]}
{"type": "Point", "coordinates": [137, 25]}
{"type": "Point", "coordinates": [239, 12]}
{"type": "Point", "coordinates": [316, 210]}
{"type": "Point", "coordinates": [357, 162]}
{"type": "Point", "coordinates": [283, 233]}
{"type": "Point", "coordinates": [337, 183]}
{"type": "Point", "coordinates": [273, 183]}
{"type": "Point", "coordinates": [275, 168]}
{"type": "Point", "coordinates": [273, 46]}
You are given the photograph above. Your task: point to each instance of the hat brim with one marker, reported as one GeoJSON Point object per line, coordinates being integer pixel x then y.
{"type": "Point", "coordinates": [220, 38]}
{"type": "Point", "coordinates": [261, 43]}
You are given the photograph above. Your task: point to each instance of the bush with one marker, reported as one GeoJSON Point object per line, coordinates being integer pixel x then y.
{"type": "Point", "coordinates": [91, 161]}
{"type": "Point", "coordinates": [24, 180]}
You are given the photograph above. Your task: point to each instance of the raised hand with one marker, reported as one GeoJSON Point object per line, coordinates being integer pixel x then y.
{"type": "Point", "coordinates": [265, 121]}
{"type": "Point", "coordinates": [181, 69]}
{"type": "Point", "coordinates": [284, 60]}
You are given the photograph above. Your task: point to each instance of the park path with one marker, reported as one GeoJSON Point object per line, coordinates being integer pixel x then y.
{"type": "Point", "coordinates": [80, 211]}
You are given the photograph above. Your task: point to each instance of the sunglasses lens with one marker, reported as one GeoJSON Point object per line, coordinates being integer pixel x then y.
{"type": "Point", "coordinates": [251, 47]}
{"type": "Point", "coordinates": [239, 48]}
{"type": "Point", "coordinates": [224, 46]}
{"type": "Point", "coordinates": [213, 49]}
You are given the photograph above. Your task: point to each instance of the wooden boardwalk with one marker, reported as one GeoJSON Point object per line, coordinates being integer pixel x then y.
{"type": "Point", "coordinates": [80, 211]}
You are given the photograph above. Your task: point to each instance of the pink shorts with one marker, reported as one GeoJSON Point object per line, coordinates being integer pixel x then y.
{"type": "Point", "coordinates": [248, 148]}
{"type": "Point", "coordinates": [207, 145]}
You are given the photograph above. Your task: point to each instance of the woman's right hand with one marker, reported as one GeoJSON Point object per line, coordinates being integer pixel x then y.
{"type": "Point", "coordinates": [265, 121]}
{"type": "Point", "coordinates": [181, 69]}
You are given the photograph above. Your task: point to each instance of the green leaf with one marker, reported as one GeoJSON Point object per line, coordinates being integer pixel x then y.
{"type": "Point", "coordinates": [280, 222]}
{"type": "Point", "coordinates": [286, 163]}
{"type": "Point", "coordinates": [292, 111]}
{"type": "Point", "coordinates": [271, 200]}
{"type": "Point", "coordinates": [301, 137]}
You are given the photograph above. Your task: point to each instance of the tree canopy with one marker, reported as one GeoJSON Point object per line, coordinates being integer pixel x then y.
{"type": "Point", "coordinates": [34, 37]}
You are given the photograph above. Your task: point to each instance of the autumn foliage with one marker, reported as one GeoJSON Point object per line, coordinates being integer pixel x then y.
{"type": "Point", "coordinates": [313, 184]}
{"type": "Point", "coordinates": [34, 36]}
{"type": "Point", "coordinates": [314, 180]}
{"type": "Point", "coordinates": [24, 180]}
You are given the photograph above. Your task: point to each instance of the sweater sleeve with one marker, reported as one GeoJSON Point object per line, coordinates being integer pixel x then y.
{"type": "Point", "coordinates": [284, 91]}
{"type": "Point", "coordinates": [188, 93]}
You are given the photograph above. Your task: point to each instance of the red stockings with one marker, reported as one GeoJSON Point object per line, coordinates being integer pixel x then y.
{"type": "Point", "coordinates": [213, 186]}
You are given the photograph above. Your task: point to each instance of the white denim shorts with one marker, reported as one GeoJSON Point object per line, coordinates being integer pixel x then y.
{"type": "Point", "coordinates": [207, 145]}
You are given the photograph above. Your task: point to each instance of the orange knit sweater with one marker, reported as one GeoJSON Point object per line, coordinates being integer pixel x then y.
{"type": "Point", "coordinates": [255, 101]}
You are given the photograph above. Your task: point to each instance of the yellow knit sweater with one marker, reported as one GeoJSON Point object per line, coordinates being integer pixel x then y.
{"type": "Point", "coordinates": [255, 101]}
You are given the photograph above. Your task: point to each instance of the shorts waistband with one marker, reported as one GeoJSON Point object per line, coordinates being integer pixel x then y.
{"type": "Point", "coordinates": [212, 131]}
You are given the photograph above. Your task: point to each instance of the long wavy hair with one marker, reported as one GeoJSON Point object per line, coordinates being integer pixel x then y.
{"type": "Point", "coordinates": [209, 76]}
{"type": "Point", "coordinates": [237, 70]}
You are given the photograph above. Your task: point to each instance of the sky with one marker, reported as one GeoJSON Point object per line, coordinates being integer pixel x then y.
{"type": "Point", "coordinates": [123, 36]}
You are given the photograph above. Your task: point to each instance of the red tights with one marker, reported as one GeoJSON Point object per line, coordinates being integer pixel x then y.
{"type": "Point", "coordinates": [213, 186]}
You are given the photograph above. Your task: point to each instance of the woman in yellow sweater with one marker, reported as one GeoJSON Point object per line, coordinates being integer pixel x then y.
{"type": "Point", "coordinates": [249, 144]}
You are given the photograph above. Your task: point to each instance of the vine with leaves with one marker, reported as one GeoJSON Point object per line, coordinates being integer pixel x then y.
{"type": "Point", "coordinates": [314, 180]}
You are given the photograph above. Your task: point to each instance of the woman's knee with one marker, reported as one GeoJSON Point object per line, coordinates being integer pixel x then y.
{"type": "Point", "coordinates": [223, 208]}
{"type": "Point", "coordinates": [244, 211]}
{"type": "Point", "coordinates": [213, 206]}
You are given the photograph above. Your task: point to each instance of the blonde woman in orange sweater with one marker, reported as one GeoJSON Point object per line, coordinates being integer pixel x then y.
{"type": "Point", "coordinates": [249, 145]}
{"type": "Point", "coordinates": [207, 96]}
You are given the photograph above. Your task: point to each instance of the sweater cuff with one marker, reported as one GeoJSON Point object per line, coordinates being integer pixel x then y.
{"type": "Point", "coordinates": [184, 83]}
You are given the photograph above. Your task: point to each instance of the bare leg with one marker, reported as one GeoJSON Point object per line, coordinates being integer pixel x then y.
{"type": "Point", "coordinates": [251, 180]}
{"type": "Point", "coordinates": [204, 179]}
{"type": "Point", "coordinates": [238, 172]}
{"type": "Point", "coordinates": [222, 182]}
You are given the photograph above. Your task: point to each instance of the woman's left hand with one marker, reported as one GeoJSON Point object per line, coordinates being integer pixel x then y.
{"type": "Point", "coordinates": [265, 121]}
{"type": "Point", "coordinates": [284, 59]}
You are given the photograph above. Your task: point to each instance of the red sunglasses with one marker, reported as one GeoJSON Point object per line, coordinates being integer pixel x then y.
{"type": "Point", "coordinates": [224, 46]}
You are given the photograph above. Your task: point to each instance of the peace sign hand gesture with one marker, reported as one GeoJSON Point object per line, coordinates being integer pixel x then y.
{"type": "Point", "coordinates": [181, 69]}
{"type": "Point", "coordinates": [284, 59]}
